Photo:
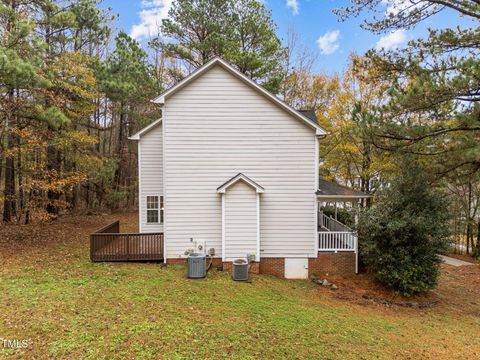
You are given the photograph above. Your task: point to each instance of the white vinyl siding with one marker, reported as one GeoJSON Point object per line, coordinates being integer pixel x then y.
{"type": "Point", "coordinates": [217, 127]}
{"type": "Point", "coordinates": [150, 156]}
{"type": "Point", "coordinates": [240, 221]}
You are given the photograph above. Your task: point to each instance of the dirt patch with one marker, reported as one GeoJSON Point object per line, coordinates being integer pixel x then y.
{"type": "Point", "coordinates": [465, 257]}
{"type": "Point", "coordinates": [458, 291]}
{"type": "Point", "coordinates": [362, 289]}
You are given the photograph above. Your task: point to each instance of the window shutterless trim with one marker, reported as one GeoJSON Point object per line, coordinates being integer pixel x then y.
{"type": "Point", "coordinates": [153, 214]}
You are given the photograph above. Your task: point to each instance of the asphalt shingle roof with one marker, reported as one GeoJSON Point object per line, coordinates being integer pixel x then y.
{"type": "Point", "coordinates": [310, 115]}
{"type": "Point", "coordinates": [331, 188]}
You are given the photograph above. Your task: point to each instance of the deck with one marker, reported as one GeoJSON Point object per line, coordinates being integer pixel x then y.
{"type": "Point", "coordinates": [108, 244]}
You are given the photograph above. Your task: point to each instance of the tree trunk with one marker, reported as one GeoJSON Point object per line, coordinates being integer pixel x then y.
{"type": "Point", "coordinates": [9, 204]}
{"type": "Point", "coordinates": [21, 195]}
{"type": "Point", "coordinates": [53, 166]}
{"type": "Point", "coordinates": [119, 173]}
{"type": "Point", "coordinates": [9, 192]}
{"type": "Point", "coordinates": [476, 250]}
{"type": "Point", "coordinates": [469, 217]}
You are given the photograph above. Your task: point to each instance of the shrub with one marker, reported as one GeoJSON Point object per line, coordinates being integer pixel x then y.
{"type": "Point", "coordinates": [402, 233]}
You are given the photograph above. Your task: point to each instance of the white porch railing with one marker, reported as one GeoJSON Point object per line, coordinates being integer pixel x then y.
{"type": "Point", "coordinates": [336, 237]}
{"type": "Point", "coordinates": [331, 224]}
{"type": "Point", "coordinates": [337, 241]}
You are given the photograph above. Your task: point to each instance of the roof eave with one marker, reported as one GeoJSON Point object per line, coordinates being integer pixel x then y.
{"type": "Point", "coordinates": [160, 100]}
{"type": "Point", "coordinates": [365, 196]}
{"type": "Point", "coordinates": [223, 188]}
{"type": "Point", "coordinates": [137, 135]}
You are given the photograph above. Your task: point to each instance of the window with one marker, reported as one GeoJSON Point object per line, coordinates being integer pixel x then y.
{"type": "Point", "coordinates": [154, 209]}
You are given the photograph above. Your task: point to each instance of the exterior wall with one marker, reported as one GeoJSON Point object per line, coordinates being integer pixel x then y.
{"type": "Point", "coordinates": [216, 127]}
{"type": "Point", "coordinates": [330, 263]}
{"type": "Point", "coordinates": [150, 169]}
{"type": "Point", "coordinates": [240, 221]}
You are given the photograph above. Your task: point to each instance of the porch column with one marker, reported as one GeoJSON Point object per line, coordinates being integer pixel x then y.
{"type": "Point", "coordinates": [356, 206]}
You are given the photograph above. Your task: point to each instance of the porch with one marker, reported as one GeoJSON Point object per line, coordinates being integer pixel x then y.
{"type": "Point", "coordinates": [333, 235]}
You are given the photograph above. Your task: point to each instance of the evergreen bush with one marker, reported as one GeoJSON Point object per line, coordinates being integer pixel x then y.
{"type": "Point", "coordinates": [403, 232]}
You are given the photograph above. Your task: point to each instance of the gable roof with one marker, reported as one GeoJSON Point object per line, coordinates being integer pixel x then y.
{"type": "Point", "coordinates": [239, 177]}
{"type": "Point", "coordinates": [333, 190]}
{"type": "Point", "coordinates": [146, 129]}
{"type": "Point", "coordinates": [218, 61]}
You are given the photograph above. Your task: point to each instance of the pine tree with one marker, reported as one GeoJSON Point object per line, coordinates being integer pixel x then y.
{"type": "Point", "coordinates": [46, 67]}
{"type": "Point", "coordinates": [126, 79]}
{"type": "Point", "coordinates": [21, 77]}
{"type": "Point", "coordinates": [240, 31]}
{"type": "Point", "coordinates": [434, 96]}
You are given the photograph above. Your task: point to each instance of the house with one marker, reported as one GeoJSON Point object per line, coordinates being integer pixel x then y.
{"type": "Point", "coordinates": [232, 170]}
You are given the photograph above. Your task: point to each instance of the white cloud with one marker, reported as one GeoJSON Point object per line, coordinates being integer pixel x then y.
{"type": "Point", "coordinates": [392, 41]}
{"type": "Point", "coordinates": [328, 42]}
{"type": "Point", "coordinates": [293, 5]}
{"type": "Point", "coordinates": [396, 6]}
{"type": "Point", "coordinates": [151, 14]}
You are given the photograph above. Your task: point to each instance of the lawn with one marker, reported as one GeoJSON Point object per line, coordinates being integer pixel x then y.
{"type": "Point", "coordinates": [67, 307]}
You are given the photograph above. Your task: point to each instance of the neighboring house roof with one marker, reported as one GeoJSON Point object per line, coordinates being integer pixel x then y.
{"type": "Point", "coordinates": [332, 191]}
{"type": "Point", "coordinates": [310, 115]}
{"type": "Point", "coordinates": [218, 61]}
{"type": "Point", "coordinates": [239, 177]}
{"type": "Point", "coordinates": [146, 129]}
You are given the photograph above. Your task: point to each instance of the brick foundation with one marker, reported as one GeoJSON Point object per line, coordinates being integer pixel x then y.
{"type": "Point", "coordinates": [177, 261]}
{"type": "Point", "coordinates": [327, 263]}
{"type": "Point", "coordinates": [273, 266]}
{"type": "Point", "coordinates": [331, 263]}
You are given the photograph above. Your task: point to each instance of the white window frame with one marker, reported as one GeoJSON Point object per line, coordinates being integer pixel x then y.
{"type": "Point", "coordinates": [158, 208]}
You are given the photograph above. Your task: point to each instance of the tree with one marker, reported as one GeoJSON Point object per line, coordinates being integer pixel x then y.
{"type": "Point", "coordinates": [297, 66]}
{"type": "Point", "coordinates": [348, 152]}
{"type": "Point", "coordinates": [433, 107]}
{"type": "Point", "coordinates": [127, 81]}
{"type": "Point", "coordinates": [21, 78]}
{"type": "Point", "coordinates": [403, 232]}
{"type": "Point", "coordinates": [344, 105]}
{"type": "Point", "coordinates": [240, 31]}
{"type": "Point", "coordinates": [50, 89]}
{"type": "Point", "coordinates": [434, 97]}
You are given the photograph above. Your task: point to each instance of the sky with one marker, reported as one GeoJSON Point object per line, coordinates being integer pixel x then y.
{"type": "Point", "coordinates": [318, 27]}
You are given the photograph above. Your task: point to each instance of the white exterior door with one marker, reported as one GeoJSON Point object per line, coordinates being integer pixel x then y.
{"type": "Point", "coordinates": [241, 222]}
{"type": "Point", "coordinates": [296, 268]}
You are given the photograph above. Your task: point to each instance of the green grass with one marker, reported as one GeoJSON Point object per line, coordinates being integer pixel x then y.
{"type": "Point", "coordinates": [70, 308]}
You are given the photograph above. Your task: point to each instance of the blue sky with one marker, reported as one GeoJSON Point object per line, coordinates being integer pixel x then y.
{"type": "Point", "coordinates": [313, 20]}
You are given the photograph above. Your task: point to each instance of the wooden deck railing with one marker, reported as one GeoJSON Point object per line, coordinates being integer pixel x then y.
{"type": "Point", "coordinates": [108, 244]}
